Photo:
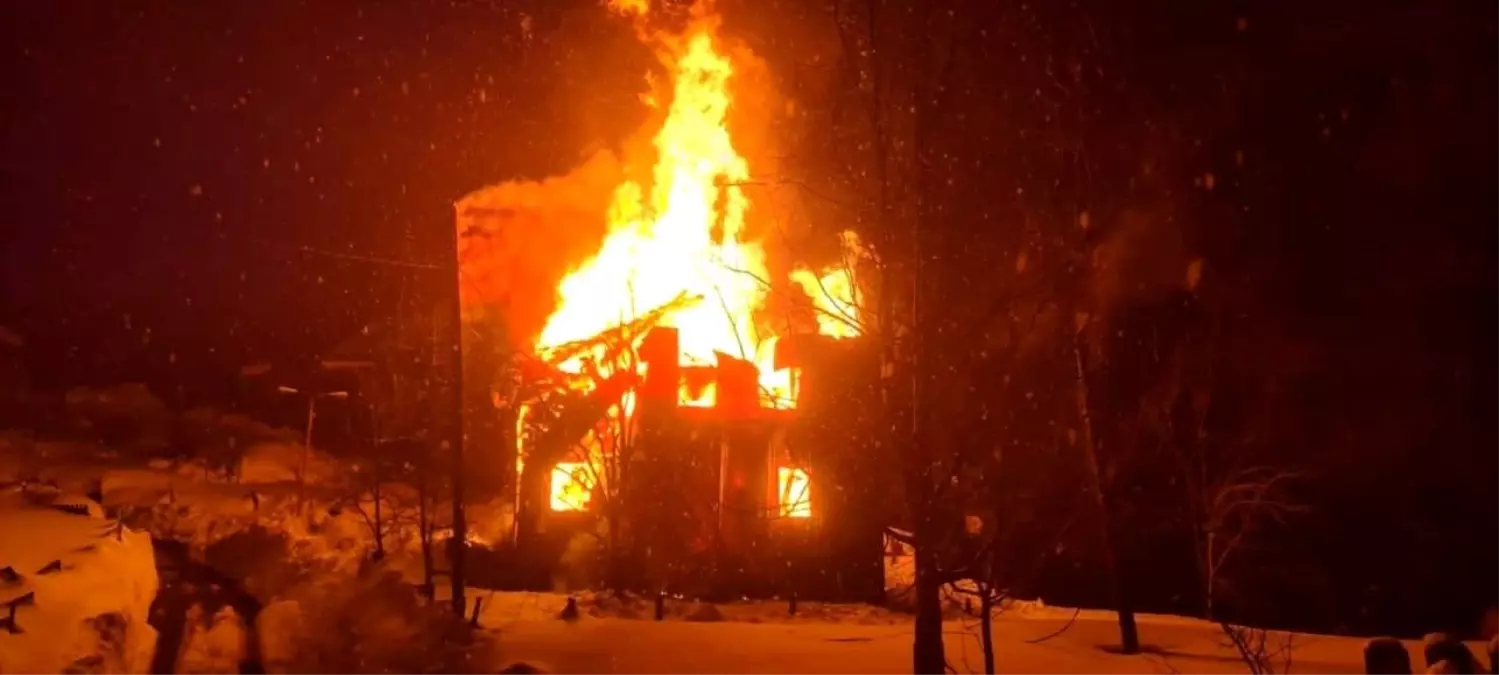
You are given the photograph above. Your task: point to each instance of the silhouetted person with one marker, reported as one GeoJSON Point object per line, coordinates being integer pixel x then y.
{"type": "Point", "coordinates": [1441, 647]}
{"type": "Point", "coordinates": [570, 612]}
{"type": "Point", "coordinates": [1386, 656]}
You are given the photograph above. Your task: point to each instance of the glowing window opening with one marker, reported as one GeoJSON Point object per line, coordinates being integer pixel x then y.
{"type": "Point", "coordinates": [794, 491]}
{"type": "Point", "coordinates": [572, 487]}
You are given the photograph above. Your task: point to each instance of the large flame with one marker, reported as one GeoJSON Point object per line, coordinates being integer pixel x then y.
{"type": "Point", "coordinates": [682, 235]}
{"type": "Point", "coordinates": [686, 236]}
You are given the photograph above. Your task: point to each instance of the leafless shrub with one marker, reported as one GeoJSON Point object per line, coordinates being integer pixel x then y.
{"type": "Point", "coordinates": [375, 623]}
{"type": "Point", "coordinates": [1263, 651]}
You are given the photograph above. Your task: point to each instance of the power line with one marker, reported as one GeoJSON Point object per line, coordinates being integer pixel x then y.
{"type": "Point", "coordinates": [354, 257]}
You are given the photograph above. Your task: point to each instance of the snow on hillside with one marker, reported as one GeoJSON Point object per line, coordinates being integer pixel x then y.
{"type": "Point", "coordinates": [82, 587]}
{"type": "Point", "coordinates": [763, 637]}
{"type": "Point", "coordinates": [510, 606]}
{"type": "Point", "coordinates": [623, 645]}
{"type": "Point", "coordinates": [110, 577]}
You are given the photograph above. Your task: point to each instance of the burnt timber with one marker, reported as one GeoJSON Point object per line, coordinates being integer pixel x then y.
{"type": "Point", "coordinates": [704, 517]}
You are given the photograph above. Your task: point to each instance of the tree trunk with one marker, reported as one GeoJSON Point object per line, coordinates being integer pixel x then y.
{"type": "Point", "coordinates": [379, 524]}
{"type": "Point", "coordinates": [927, 656]}
{"type": "Point", "coordinates": [460, 534]}
{"type": "Point", "coordinates": [986, 626]}
{"type": "Point", "coordinates": [254, 660]}
{"type": "Point", "coordinates": [1129, 637]}
{"type": "Point", "coordinates": [1210, 583]}
{"type": "Point", "coordinates": [1129, 634]}
{"type": "Point", "coordinates": [424, 531]}
{"type": "Point", "coordinates": [530, 509]}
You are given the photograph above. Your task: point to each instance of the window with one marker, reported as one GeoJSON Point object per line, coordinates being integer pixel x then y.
{"type": "Point", "coordinates": [793, 490]}
{"type": "Point", "coordinates": [572, 486]}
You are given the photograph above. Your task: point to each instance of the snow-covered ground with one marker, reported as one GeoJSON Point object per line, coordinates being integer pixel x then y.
{"type": "Point", "coordinates": [105, 573]}
{"type": "Point", "coordinates": [82, 587]}
{"type": "Point", "coordinates": [761, 637]}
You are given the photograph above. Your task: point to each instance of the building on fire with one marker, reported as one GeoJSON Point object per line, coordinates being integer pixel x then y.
{"type": "Point", "coordinates": [682, 399]}
{"type": "Point", "coordinates": [706, 485]}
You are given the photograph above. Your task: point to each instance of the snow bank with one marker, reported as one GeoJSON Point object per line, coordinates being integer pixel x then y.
{"type": "Point", "coordinates": [281, 462]}
{"type": "Point", "coordinates": [372, 622]}
{"type": "Point", "coordinates": [625, 646]}
{"type": "Point", "coordinates": [957, 599]}
{"type": "Point", "coordinates": [215, 643]}
{"type": "Point", "coordinates": [505, 608]}
{"type": "Point", "coordinates": [83, 587]}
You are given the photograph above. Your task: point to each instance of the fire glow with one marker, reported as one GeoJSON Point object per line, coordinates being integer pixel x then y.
{"type": "Point", "coordinates": [685, 237]}
{"type": "Point", "coordinates": [793, 493]}
{"type": "Point", "coordinates": [678, 249]}
{"type": "Point", "coordinates": [571, 487]}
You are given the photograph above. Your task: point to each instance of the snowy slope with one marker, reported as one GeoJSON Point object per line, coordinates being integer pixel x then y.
{"type": "Point", "coordinates": [761, 637]}
{"type": "Point", "coordinates": [91, 585]}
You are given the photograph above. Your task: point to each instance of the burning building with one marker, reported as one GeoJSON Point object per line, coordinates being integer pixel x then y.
{"type": "Point", "coordinates": [659, 404]}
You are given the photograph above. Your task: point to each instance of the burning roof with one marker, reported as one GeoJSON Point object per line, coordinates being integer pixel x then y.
{"type": "Point", "coordinates": [675, 245]}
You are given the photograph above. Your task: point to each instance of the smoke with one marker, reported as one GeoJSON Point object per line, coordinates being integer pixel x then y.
{"type": "Point", "coordinates": [1145, 257]}
{"type": "Point", "coordinates": [517, 240]}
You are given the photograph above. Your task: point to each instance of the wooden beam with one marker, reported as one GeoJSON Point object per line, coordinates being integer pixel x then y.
{"type": "Point", "coordinates": [738, 388]}
{"type": "Point", "coordinates": [659, 352]}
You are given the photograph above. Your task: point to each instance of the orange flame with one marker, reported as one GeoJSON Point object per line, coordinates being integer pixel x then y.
{"type": "Point", "coordinates": [686, 236]}
{"type": "Point", "coordinates": [683, 235]}
{"type": "Point", "coordinates": [834, 293]}
{"type": "Point", "coordinates": [793, 493]}
{"type": "Point", "coordinates": [572, 487]}
{"type": "Point", "coordinates": [636, 7]}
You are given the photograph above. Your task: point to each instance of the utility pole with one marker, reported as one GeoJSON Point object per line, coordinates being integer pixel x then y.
{"type": "Point", "coordinates": [312, 398]}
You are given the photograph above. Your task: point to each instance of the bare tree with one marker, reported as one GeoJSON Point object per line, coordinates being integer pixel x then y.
{"type": "Point", "coordinates": [604, 457]}
{"type": "Point", "coordinates": [1235, 487]}
{"type": "Point", "coordinates": [874, 144]}
{"type": "Point", "coordinates": [369, 499]}
{"type": "Point", "coordinates": [398, 487]}
{"type": "Point", "coordinates": [1129, 635]}
{"type": "Point", "coordinates": [1264, 652]}
{"type": "Point", "coordinates": [427, 497]}
{"type": "Point", "coordinates": [1233, 510]}
{"type": "Point", "coordinates": [981, 584]}
{"type": "Point", "coordinates": [585, 419]}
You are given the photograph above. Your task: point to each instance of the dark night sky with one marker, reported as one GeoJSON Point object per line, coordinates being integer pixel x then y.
{"type": "Point", "coordinates": [161, 160]}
